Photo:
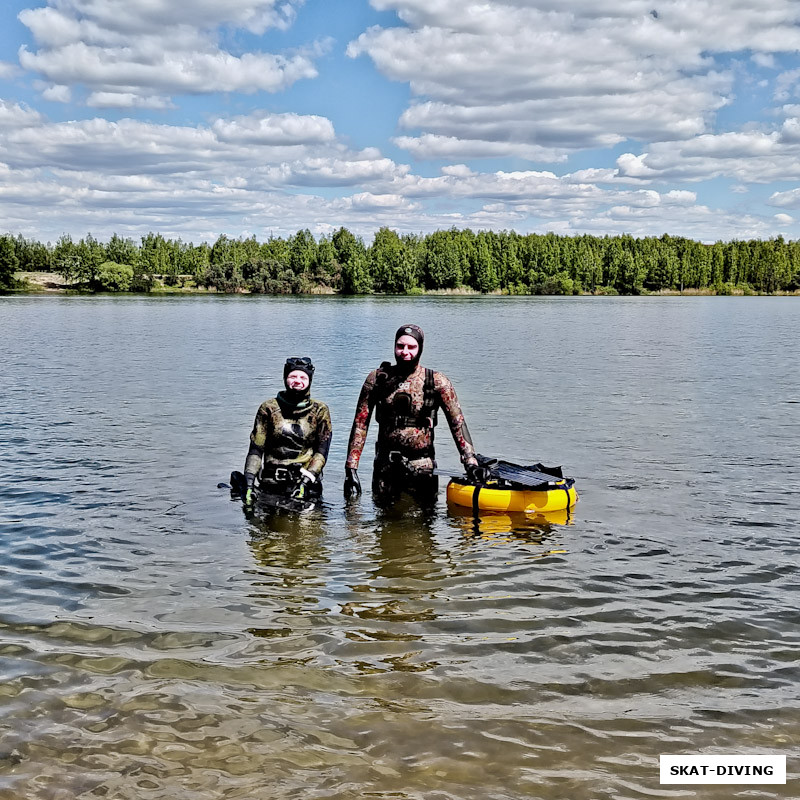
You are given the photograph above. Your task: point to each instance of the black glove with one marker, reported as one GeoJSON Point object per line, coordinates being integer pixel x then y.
{"type": "Point", "coordinates": [477, 474]}
{"type": "Point", "coordinates": [352, 485]}
{"type": "Point", "coordinates": [306, 479]}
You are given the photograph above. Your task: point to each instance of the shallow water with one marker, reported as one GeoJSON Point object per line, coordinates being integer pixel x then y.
{"type": "Point", "coordinates": [158, 642]}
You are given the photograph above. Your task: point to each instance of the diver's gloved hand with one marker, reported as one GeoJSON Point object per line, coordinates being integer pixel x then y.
{"type": "Point", "coordinates": [477, 473]}
{"type": "Point", "coordinates": [306, 479]}
{"type": "Point", "coordinates": [352, 485]}
{"type": "Point", "coordinates": [250, 482]}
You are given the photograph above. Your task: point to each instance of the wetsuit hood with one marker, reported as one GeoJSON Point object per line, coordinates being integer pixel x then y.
{"type": "Point", "coordinates": [415, 332]}
{"type": "Point", "coordinates": [294, 397]}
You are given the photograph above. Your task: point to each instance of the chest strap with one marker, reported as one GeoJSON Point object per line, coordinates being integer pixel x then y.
{"type": "Point", "coordinates": [426, 417]}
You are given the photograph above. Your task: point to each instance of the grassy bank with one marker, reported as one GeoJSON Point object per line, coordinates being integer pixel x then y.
{"type": "Point", "coordinates": [53, 283]}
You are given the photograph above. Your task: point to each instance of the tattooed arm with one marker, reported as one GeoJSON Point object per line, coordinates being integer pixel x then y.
{"type": "Point", "coordinates": [358, 433]}
{"type": "Point", "coordinates": [448, 402]}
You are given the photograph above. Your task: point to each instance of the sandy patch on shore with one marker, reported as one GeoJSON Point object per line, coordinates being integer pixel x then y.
{"type": "Point", "coordinates": [43, 281]}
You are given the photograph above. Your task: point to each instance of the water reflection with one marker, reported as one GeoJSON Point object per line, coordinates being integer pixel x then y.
{"type": "Point", "coordinates": [497, 526]}
{"type": "Point", "coordinates": [290, 557]}
{"type": "Point", "coordinates": [396, 597]}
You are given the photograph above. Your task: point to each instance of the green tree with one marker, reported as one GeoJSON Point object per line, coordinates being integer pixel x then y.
{"type": "Point", "coordinates": [112, 277]}
{"type": "Point", "coordinates": [442, 261]}
{"type": "Point", "coordinates": [193, 259]}
{"type": "Point", "coordinates": [612, 260]}
{"type": "Point", "coordinates": [717, 265]}
{"type": "Point", "coordinates": [222, 251]}
{"type": "Point", "coordinates": [302, 252]}
{"type": "Point", "coordinates": [8, 262]}
{"type": "Point", "coordinates": [327, 270]}
{"type": "Point", "coordinates": [589, 266]}
{"type": "Point", "coordinates": [65, 257]}
{"type": "Point", "coordinates": [77, 263]}
{"type": "Point", "coordinates": [33, 256]}
{"type": "Point", "coordinates": [122, 251]}
{"type": "Point", "coordinates": [276, 249]}
{"type": "Point", "coordinates": [392, 264]}
{"type": "Point", "coordinates": [351, 255]}
{"type": "Point", "coordinates": [483, 269]}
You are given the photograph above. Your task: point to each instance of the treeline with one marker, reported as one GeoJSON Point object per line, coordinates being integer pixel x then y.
{"type": "Point", "coordinates": [406, 264]}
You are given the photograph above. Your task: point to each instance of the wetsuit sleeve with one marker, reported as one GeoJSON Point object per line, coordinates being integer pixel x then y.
{"type": "Point", "coordinates": [262, 428]}
{"type": "Point", "coordinates": [324, 432]}
{"type": "Point", "coordinates": [448, 402]}
{"type": "Point", "coordinates": [358, 433]}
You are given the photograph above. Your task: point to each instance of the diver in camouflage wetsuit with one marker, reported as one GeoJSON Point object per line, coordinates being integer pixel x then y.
{"type": "Point", "coordinates": [406, 398]}
{"type": "Point", "coordinates": [291, 436]}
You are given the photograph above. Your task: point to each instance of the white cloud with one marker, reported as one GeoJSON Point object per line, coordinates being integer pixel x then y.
{"type": "Point", "coordinates": [457, 170]}
{"type": "Point", "coordinates": [786, 86]}
{"type": "Point", "coordinates": [790, 199]}
{"type": "Point", "coordinates": [764, 60]}
{"type": "Point", "coordinates": [15, 115]}
{"type": "Point", "coordinates": [746, 156]}
{"type": "Point", "coordinates": [75, 18]}
{"type": "Point", "coordinates": [275, 129]}
{"type": "Point", "coordinates": [432, 146]}
{"type": "Point", "coordinates": [124, 100]}
{"type": "Point", "coordinates": [679, 197]}
{"type": "Point", "coordinates": [129, 53]}
{"type": "Point", "coordinates": [784, 219]}
{"type": "Point", "coordinates": [328, 171]}
{"type": "Point", "coordinates": [57, 93]}
{"type": "Point", "coordinates": [132, 177]}
{"type": "Point", "coordinates": [568, 74]}
{"type": "Point", "coordinates": [367, 201]}
{"type": "Point", "coordinates": [109, 69]}
{"type": "Point", "coordinates": [633, 166]}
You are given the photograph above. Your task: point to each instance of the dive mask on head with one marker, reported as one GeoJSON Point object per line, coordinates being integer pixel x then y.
{"type": "Point", "coordinates": [302, 365]}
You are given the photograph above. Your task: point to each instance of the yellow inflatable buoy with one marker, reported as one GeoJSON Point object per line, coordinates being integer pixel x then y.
{"type": "Point", "coordinates": [558, 496]}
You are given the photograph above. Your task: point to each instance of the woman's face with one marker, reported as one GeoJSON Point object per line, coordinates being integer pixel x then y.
{"type": "Point", "coordinates": [297, 379]}
{"type": "Point", "coordinates": [406, 348]}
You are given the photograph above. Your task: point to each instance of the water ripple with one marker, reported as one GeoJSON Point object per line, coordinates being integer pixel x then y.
{"type": "Point", "coordinates": [156, 641]}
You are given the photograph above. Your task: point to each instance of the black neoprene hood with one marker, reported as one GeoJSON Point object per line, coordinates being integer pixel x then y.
{"type": "Point", "coordinates": [298, 364]}
{"type": "Point", "coordinates": [411, 330]}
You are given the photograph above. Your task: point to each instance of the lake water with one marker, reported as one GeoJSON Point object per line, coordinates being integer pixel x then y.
{"type": "Point", "coordinates": [156, 642]}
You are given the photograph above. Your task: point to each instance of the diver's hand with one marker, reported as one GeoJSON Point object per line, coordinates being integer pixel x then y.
{"type": "Point", "coordinates": [249, 494]}
{"type": "Point", "coordinates": [476, 473]}
{"type": "Point", "coordinates": [352, 485]}
{"type": "Point", "coordinates": [306, 479]}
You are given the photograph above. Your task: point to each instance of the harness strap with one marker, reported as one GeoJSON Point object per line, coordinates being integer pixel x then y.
{"type": "Point", "coordinates": [385, 452]}
{"type": "Point", "coordinates": [427, 415]}
{"type": "Point", "coordinates": [429, 398]}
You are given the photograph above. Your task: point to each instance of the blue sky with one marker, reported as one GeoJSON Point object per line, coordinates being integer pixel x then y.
{"type": "Point", "coordinates": [259, 117]}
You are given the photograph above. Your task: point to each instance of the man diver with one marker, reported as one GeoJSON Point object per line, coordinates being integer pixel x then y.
{"type": "Point", "coordinates": [290, 439]}
{"type": "Point", "coordinates": [406, 397]}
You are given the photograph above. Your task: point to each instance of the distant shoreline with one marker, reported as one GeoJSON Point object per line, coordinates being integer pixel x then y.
{"type": "Point", "coordinates": [52, 283]}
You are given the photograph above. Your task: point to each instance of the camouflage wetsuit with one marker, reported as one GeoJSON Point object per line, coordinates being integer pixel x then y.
{"type": "Point", "coordinates": [406, 408]}
{"type": "Point", "coordinates": [288, 436]}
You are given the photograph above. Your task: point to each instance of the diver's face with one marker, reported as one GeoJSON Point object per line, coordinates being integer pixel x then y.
{"type": "Point", "coordinates": [297, 379]}
{"type": "Point", "coordinates": [406, 348]}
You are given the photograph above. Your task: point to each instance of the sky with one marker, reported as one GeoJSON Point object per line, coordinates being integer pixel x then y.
{"type": "Point", "coordinates": [264, 117]}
